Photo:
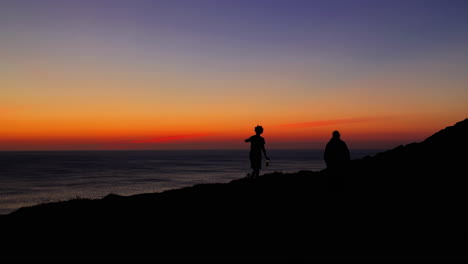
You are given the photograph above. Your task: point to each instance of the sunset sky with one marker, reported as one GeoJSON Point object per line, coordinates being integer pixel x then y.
{"type": "Point", "coordinates": [197, 74]}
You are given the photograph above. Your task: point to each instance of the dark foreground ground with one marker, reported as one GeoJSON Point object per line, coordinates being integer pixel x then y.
{"type": "Point", "coordinates": [408, 203]}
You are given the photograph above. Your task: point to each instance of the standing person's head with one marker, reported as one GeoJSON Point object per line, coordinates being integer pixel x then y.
{"type": "Point", "coordinates": [258, 130]}
{"type": "Point", "coordinates": [336, 134]}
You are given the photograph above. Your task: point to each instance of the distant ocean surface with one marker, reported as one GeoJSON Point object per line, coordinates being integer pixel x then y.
{"type": "Point", "coordinates": [32, 177]}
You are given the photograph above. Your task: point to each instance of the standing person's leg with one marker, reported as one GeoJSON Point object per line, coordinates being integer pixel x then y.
{"type": "Point", "coordinates": [256, 165]}
{"type": "Point", "coordinates": [256, 173]}
{"type": "Point", "coordinates": [252, 165]}
{"type": "Point", "coordinates": [253, 175]}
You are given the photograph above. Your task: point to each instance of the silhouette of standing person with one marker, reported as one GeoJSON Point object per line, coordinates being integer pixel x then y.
{"type": "Point", "coordinates": [337, 158]}
{"type": "Point", "coordinates": [257, 147]}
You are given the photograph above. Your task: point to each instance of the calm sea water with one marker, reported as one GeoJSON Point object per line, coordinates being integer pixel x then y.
{"type": "Point", "coordinates": [29, 178]}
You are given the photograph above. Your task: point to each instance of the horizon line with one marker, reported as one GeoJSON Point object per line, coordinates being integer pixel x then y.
{"type": "Point", "coordinates": [210, 149]}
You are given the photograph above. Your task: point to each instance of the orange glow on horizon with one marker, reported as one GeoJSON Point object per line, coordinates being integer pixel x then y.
{"type": "Point", "coordinates": [331, 122]}
{"type": "Point", "coordinates": [170, 138]}
{"type": "Point", "coordinates": [369, 132]}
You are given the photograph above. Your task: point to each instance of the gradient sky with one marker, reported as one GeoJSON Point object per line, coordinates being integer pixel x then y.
{"type": "Point", "coordinates": [199, 74]}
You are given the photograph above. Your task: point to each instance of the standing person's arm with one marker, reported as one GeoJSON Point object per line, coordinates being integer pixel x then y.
{"type": "Point", "coordinates": [248, 140]}
{"type": "Point", "coordinates": [264, 151]}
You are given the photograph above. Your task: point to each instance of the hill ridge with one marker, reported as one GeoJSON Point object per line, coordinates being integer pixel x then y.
{"type": "Point", "coordinates": [407, 202]}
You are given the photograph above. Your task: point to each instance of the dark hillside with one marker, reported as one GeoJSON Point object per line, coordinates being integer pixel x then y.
{"type": "Point", "coordinates": [405, 203]}
{"type": "Point", "coordinates": [434, 165]}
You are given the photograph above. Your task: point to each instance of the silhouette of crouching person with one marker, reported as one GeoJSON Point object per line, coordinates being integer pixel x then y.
{"type": "Point", "coordinates": [337, 158]}
{"type": "Point", "coordinates": [257, 148]}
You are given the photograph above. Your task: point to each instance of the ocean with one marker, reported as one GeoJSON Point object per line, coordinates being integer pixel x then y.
{"type": "Point", "coordinates": [32, 177]}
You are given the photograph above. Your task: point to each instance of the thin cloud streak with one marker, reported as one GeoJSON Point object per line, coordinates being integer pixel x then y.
{"type": "Point", "coordinates": [320, 123]}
